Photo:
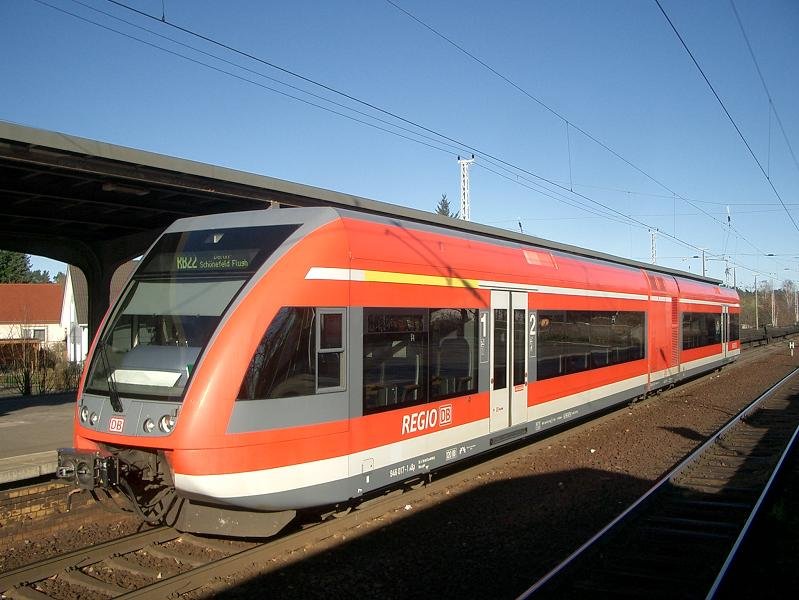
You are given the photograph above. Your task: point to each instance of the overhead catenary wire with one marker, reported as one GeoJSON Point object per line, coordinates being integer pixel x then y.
{"type": "Point", "coordinates": [727, 112]}
{"type": "Point", "coordinates": [534, 186]}
{"type": "Point", "coordinates": [448, 141]}
{"type": "Point", "coordinates": [501, 163]}
{"type": "Point", "coordinates": [239, 66]}
{"type": "Point", "coordinates": [772, 108]}
{"type": "Point", "coordinates": [517, 172]}
{"type": "Point", "coordinates": [236, 76]}
{"type": "Point", "coordinates": [564, 199]}
{"type": "Point", "coordinates": [567, 121]}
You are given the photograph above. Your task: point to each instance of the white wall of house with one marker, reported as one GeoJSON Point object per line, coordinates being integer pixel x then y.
{"type": "Point", "coordinates": [49, 333]}
{"type": "Point", "coordinates": [77, 334]}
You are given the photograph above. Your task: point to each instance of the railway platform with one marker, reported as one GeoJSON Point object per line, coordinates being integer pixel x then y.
{"type": "Point", "coordinates": [32, 428]}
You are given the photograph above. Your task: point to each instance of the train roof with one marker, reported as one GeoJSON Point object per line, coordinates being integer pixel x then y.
{"type": "Point", "coordinates": [270, 189]}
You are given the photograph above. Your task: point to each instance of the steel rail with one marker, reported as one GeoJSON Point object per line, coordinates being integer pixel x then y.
{"type": "Point", "coordinates": [668, 478]}
{"type": "Point", "coordinates": [752, 516]}
{"type": "Point", "coordinates": [188, 581]}
{"type": "Point", "coordinates": [85, 556]}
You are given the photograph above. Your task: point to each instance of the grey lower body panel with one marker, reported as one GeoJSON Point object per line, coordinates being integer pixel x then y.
{"type": "Point", "coordinates": [351, 488]}
{"type": "Point", "coordinates": [706, 367]}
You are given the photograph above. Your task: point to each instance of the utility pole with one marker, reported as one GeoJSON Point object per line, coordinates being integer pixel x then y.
{"type": "Point", "coordinates": [465, 163]}
{"type": "Point", "coordinates": [757, 325]}
{"type": "Point", "coordinates": [703, 262]}
{"type": "Point", "coordinates": [773, 306]}
{"type": "Point", "coordinates": [726, 272]}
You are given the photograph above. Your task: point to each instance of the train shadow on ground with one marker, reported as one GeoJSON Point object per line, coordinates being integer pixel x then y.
{"type": "Point", "coordinates": [491, 542]}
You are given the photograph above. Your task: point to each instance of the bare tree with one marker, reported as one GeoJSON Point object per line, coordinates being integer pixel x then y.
{"type": "Point", "coordinates": [30, 364]}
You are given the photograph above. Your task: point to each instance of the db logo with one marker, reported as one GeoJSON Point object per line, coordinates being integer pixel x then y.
{"type": "Point", "coordinates": [445, 415]}
{"type": "Point", "coordinates": [116, 424]}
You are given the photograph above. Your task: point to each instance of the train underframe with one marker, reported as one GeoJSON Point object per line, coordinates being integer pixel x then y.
{"type": "Point", "coordinates": [140, 481]}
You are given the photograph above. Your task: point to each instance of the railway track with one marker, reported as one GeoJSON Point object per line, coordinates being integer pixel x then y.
{"type": "Point", "coordinates": [162, 562]}
{"type": "Point", "coordinates": [680, 539]}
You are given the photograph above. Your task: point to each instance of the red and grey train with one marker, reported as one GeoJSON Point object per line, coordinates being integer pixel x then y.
{"type": "Point", "coordinates": [265, 362]}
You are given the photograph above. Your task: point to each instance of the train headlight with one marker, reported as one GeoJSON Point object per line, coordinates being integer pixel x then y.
{"type": "Point", "coordinates": [166, 423]}
{"type": "Point", "coordinates": [149, 425]}
{"type": "Point", "coordinates": [84, 414]}
{"type": "Point", "coordinates": [94, 418]}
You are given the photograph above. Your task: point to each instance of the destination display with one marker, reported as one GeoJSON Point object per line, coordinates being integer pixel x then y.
{"type": "Point", "coordinates": [238, 260]}
{"type": "Point", "coordinates": [234, 250]}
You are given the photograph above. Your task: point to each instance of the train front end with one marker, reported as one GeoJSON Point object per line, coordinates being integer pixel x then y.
{"type": "Point", "coordinates": [160, 378]}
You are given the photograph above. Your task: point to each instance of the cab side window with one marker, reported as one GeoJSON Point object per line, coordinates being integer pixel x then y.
{"type": "Point", "coordinates": [330, 350]}
{"type": "Point", "coordinates": [302, 353]}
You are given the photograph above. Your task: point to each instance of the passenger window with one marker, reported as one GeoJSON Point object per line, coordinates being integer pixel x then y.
{"type": "Point", "coordinates": [414, 355]}
{"type": "Point", "coordinates": [700, 329]}
{"type": "Point", "coordinates": [394, 358]}
{"type": "Point", "coordinates": [453, 352]}
{"type": "Point", "coordinates": [574, 341]}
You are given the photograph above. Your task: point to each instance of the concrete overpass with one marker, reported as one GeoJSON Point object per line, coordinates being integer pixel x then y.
{"type": "Point", "coordinates": [95, 205]}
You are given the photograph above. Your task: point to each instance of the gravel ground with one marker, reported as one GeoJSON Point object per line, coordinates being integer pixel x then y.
{"type": "Point", "coordinates": [99, 526]}
{"type": "Point", "coordinates": [494, 535]}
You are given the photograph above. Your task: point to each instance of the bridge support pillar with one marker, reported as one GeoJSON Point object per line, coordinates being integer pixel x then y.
{"type": "Point", "coordinates": [97, 260]}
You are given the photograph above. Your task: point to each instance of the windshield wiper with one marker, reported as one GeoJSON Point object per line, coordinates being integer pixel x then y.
{"type": "Point", "coordinates": [116, 403]}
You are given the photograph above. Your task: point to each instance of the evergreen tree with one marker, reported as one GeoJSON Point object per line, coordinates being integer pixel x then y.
{"type": "Point", "coordinates": [38, 276]}
{"type": "Point", "coordinates": [443, 207]}
{"type": "Point", "coordinates": [15, 267]}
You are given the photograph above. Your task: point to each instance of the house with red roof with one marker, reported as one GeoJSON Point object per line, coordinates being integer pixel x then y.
{"type": "Point", "coordinates": [54, 313]}
{"type": "Point", "coordinates": [32, 311]}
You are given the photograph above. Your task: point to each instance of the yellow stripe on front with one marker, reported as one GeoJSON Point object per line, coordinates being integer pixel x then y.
{"type": "Point", "coordinates": [409, 278]}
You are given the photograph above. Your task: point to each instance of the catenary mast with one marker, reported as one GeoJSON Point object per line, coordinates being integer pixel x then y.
{"type": "Point", "coordinates": [465, 163]}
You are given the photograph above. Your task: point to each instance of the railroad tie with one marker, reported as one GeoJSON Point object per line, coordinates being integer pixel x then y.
{"type": "Point", "coordinates": [79, 578]}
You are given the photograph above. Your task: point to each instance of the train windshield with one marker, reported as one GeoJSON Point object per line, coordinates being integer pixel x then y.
{"type": "Point", "coordinates": [172, 307]}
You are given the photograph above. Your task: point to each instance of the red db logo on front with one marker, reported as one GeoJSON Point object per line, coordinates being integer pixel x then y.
{"type": "Point", "coordinates": [116, 424]}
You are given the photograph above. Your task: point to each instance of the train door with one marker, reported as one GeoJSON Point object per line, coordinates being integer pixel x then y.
{"type": "Point", "coordinates": [508, 359]}
{"type": "Point", "coordinates": [725, 330]}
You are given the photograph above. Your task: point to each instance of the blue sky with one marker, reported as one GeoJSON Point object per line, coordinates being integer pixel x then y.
{"type": "Point", "coordinates": [614, 69]}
